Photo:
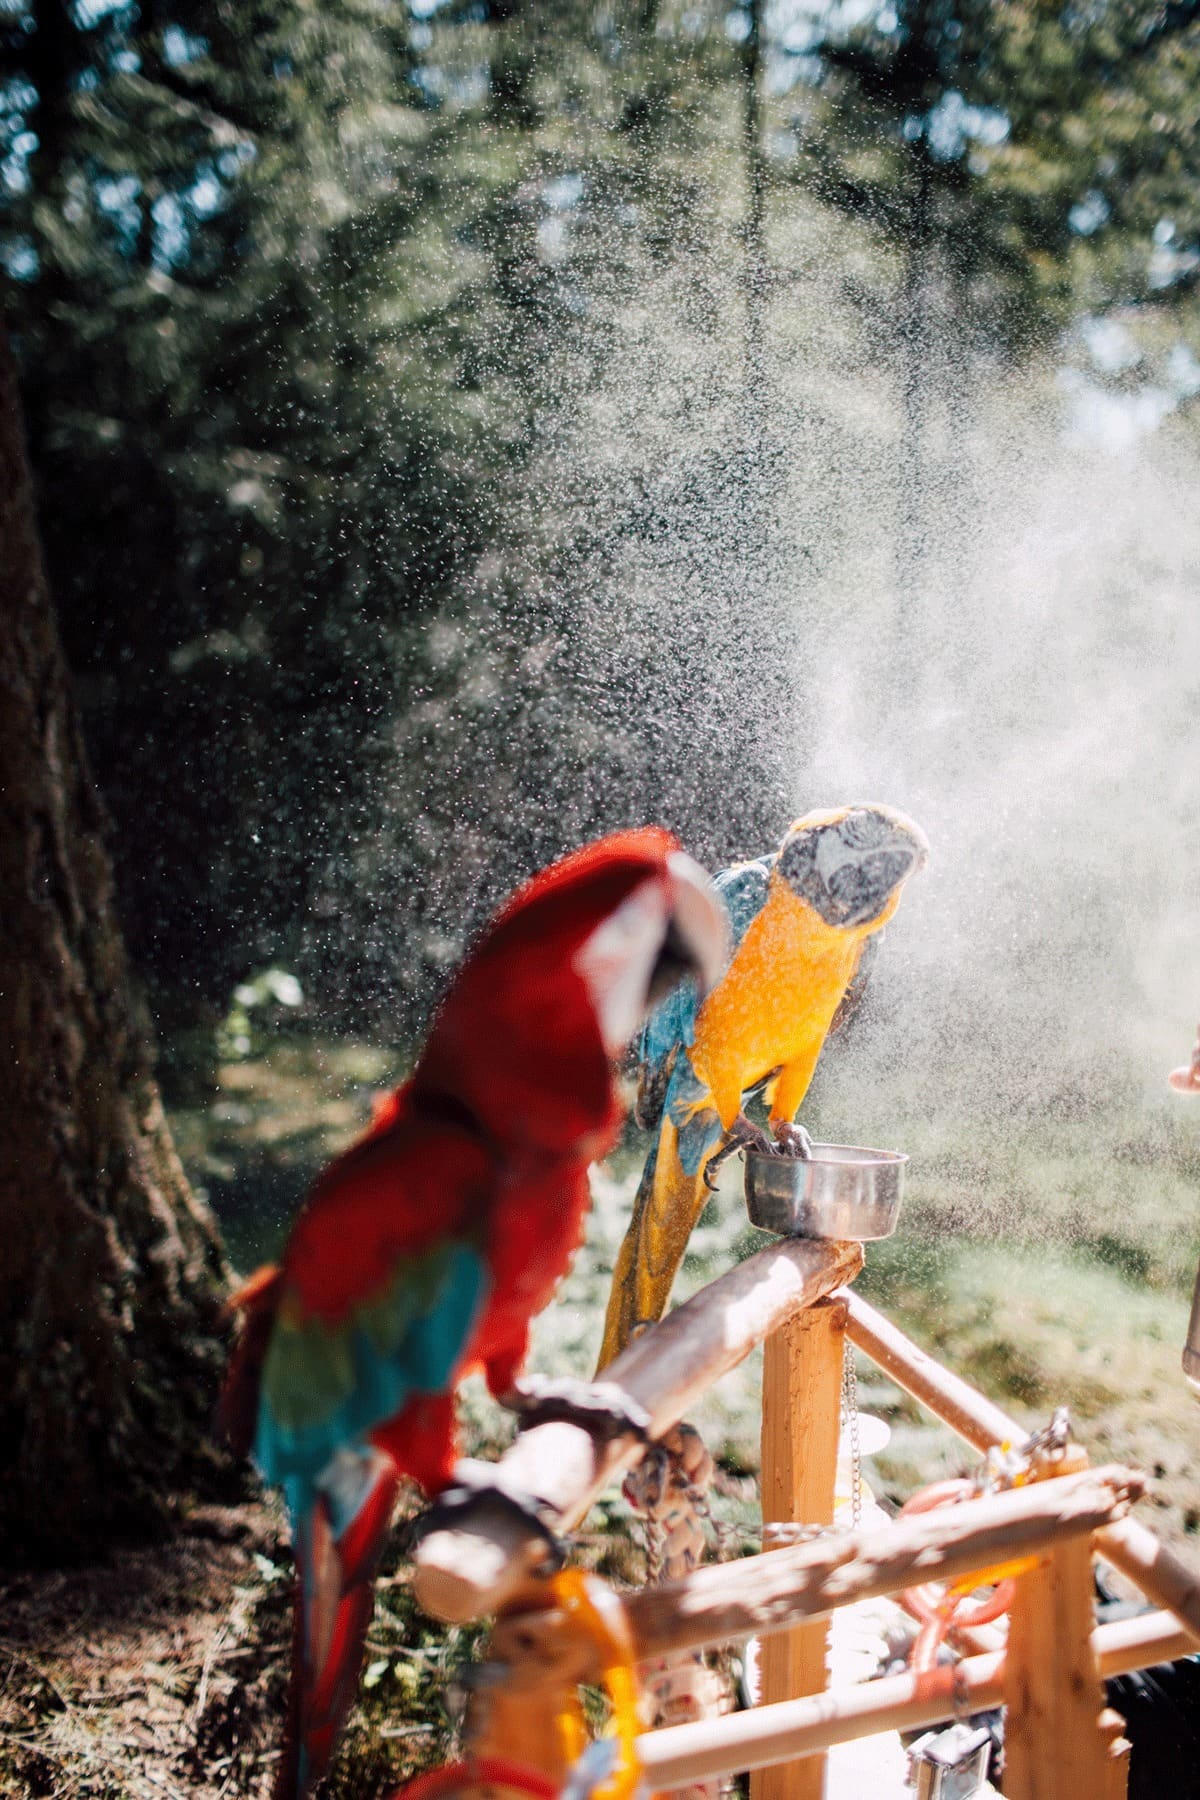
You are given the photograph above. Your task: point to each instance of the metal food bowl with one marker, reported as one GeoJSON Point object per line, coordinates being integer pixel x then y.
{"type": "Point", "coordinates": [841, 1191]}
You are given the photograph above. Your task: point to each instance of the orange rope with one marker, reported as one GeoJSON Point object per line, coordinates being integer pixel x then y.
{"type": "Point", "coordinates": [600, 1612]}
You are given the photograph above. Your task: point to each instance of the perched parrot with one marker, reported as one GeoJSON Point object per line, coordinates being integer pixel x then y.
{"type": "Point", "coordinates": [801, 920]}
{"type": "Point", "coordinates": [426, 1249]}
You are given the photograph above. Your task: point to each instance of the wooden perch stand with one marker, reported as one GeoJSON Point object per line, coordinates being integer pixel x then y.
{"type": "Point", "coordinates": [472, 1570]}
{"type": "Point", "coordinates": [1049, 1523]}
{"type": "Point", "coordinates": [759, 1596]}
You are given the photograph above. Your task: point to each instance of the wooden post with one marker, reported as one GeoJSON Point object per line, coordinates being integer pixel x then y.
{"type": "Point", "coordinates": [1054, 1748]}
{"type": "Point", "coordinates": [1117, 1750]}
{"type": "Point", "coordinates": [522, 1727]}
{"type": "Point", "coordinates": [802, 1387]}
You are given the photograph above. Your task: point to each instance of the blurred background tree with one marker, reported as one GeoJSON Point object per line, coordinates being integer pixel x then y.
{"type": "Point", "coordinates": [113, 1275]}
{"type": "Point", "coordinates": [409, 406]}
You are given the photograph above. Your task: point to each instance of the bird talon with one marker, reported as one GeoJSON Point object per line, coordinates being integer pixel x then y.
{"type": "Point", "coordinates": [600, 1407]}
{"type": "Point", "coordinates": [480, 1483]}
{"type": "Point", "coordinates": [743, 1134]}
{"type": "Point", "coordinates": [792, 1140]}
{"type": "Point", "coordinates": [717, 1160]}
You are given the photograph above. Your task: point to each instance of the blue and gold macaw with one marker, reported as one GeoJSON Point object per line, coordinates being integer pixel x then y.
{"type": "Point", "coordinates": [801, 920]}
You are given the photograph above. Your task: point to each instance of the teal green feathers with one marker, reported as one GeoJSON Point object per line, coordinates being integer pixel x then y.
{"type": "Point", "coordinates": [326, 1384]}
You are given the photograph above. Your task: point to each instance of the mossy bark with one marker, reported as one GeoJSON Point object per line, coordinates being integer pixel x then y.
{"type": "Point", "coordinates": [111, 1271]}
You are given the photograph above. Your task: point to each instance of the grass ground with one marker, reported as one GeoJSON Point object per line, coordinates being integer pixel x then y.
{"type": "Point", "coordinates": [1047, 1267]}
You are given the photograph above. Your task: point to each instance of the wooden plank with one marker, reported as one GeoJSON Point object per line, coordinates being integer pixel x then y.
{"type": "Point", "coordinates": [1162, 1575]}
{"type": "Point", "coordinates": [761, 1595]}
{"type": "Point", "coordinates": [960, 1406]}
{"type": "Point", "coordinates": [798, 1728]}
{"type": "Point", "coordinates": [802, 1386]}
{"type": "Point", "coordinates": [1053, 1745]}
{"type": "Point", "coordinates": [486, 1560]}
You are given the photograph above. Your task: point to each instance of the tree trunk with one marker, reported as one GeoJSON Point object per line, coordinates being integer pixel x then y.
{"type": "Point", "coordinates": [111, 1271]}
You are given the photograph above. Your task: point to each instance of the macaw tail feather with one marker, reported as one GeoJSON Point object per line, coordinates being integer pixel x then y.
{"type": "Point", "coordinates": [338, 1545]}
{"type": "Point", "coordinates": [237, 1407]}
{"type": "Point", "coordinates": [669, 1200]}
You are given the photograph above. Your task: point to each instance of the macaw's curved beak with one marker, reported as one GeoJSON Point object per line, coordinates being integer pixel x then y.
{"type": "Point", "coordinates": [909, 829]}
{"type": "Point", "coordinates": [697, 936]}
{"type": "Point", "coordinates": [671, 927]}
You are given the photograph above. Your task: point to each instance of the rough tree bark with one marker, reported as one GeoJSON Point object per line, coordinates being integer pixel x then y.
{"type": "Point", "coordinates": [111, 1271]}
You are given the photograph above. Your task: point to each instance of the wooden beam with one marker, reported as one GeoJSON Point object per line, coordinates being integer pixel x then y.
{"type": "Point", "coordinates": [1162, 1576]}
{"type": "Point", "coordinates": [960, 1406]}
{"type": "Point", "coordinates": [1053, 1746]}
{"type": "Point", "coordinates": [801, 1415]}
{"type": "Point", "coordinates": [761, 1595]}
{"type": "Point", "coordinates": [767, 1735]}
{"type": "Point", "coordinates": [1140, 1643]}
{"type": "Point", "coordinates": [796, 1728]}
{"type": "Point", "coordinates": [485, 1560]}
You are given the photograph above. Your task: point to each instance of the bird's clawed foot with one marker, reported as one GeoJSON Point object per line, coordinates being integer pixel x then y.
{"type": "Point", "coordinates": [743, 1134]}
{"type": "Point", "coordinates": [479, 1487]}
{"type": "Point", "coordinates": [600, 1407]}
{"type": "Point", "coordinates": [792, 1140]}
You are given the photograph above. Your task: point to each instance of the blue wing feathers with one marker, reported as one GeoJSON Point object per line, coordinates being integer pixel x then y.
{"type": "Point", "coordinates": [665, 1076]}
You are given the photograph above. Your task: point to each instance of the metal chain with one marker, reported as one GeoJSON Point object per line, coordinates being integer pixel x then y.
{"type": "Point", "coordinates": [850, 1424]}
{"type": "Point", "coordinates": [777, 1533]}
{"type": "Point", "coordinates": [726, 1537]}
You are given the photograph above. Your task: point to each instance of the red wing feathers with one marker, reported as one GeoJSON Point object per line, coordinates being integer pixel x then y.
{"type": "Point", "coordinates": [392, 1195]}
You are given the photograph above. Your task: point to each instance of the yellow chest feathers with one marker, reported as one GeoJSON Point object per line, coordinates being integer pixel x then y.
{"type": "Point", "coordinates": [780, 991]}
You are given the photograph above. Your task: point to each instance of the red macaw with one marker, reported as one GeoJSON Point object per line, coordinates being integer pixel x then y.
{"type": "Point", "coordinates": [426, 1249]}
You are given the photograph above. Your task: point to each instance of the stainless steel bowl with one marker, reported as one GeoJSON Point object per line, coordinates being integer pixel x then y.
{"type": "Point", "coordinates": [841, 1191]}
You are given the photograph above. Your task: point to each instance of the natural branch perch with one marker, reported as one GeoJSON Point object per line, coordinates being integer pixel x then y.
{"type": "Point", "coordinates": [469, 1571]}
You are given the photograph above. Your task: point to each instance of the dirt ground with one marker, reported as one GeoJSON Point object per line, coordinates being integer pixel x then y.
{"type": "Point", "coordinates": [158, 1671]}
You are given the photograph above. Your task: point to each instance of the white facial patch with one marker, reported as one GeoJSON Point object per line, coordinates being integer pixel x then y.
{"type": "Point", "coordinates": [617, 961]}
{"type": "Point", "coordinates": [832, 853]}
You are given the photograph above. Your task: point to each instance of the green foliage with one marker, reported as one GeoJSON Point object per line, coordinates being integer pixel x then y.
{"type": "Point", "coordinates": [291, 303]}
{"type": "Point", "coordinates": [257, 1006]}
{"type": "Point", "coordinates": [410, 445]}
{"type": "Point", "coordinates": [1017, 158]}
